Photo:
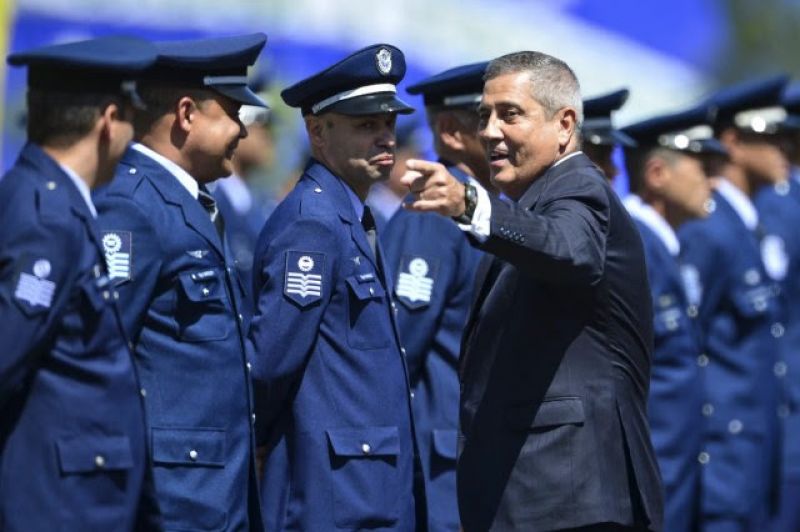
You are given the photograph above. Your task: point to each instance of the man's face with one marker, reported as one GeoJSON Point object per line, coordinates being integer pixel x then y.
{"type": "Point", "coordinates": [359, 149]}
{"type": "Point", "coordinates": [520, 140]}
{"type": "Point", "coordinates": [685, 188]}
{"type": "Point", "coordinates": [215, 133]}
{"type": "Point", "coordinates": [601, 155]}
{"type": "Point", "coordinates": [762, 157]}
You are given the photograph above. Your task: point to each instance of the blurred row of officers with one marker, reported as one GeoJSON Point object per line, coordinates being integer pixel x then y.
{"type": "Point", "coordinates": [494, 341]}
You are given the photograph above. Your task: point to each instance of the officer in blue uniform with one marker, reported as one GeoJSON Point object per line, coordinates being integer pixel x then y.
{"type": "Point", "coordinates": [180, 296]}
{"type": "Point", "coordinates": [598, 133]}
{"type": "Point", "coordinates": [739, 315]}
{"type": "Point", "coordinates": [337, 421]}
{"type": "Point", "coordinates": [668, 187]}
{"type": "Point", "coordinates": [72, 435]}
{"type": "Point", "coordinates": [433, 281]}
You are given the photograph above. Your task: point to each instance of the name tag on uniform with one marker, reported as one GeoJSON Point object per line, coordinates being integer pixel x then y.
{"type": "Point", "coordinates": [303, 278]}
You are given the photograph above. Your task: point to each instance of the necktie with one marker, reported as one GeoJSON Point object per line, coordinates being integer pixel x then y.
{"type": "Point", "coordinates": [368, 223]}
{"type": "Point", "coordinates": [210, 205]}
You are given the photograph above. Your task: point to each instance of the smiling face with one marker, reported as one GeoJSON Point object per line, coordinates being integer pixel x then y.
{"type": "Point", "coordinates": [213, 138]}
{"type": "Point", "coordinates": [358, 149]}
{"type": "Point", "coordinates": [521, 139]}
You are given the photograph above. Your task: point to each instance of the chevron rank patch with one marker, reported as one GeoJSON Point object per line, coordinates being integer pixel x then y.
{"type": "Point", "coordinates": [34, 291]}
{"type": "Point", "coordinates": [303, 280]}
{"type": "Point", "coordinates": [117, 246]}
{"type": "Point", "coordinates": [415, 281]}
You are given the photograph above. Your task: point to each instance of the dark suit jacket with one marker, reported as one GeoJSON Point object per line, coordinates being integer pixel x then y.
{"type": "Point", "coordinates": [556, 362]}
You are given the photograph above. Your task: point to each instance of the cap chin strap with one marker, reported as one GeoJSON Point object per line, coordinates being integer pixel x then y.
{"type": "Point", "coordinates": [353, 93]}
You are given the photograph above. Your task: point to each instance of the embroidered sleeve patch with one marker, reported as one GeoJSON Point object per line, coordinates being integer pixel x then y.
{"type": "Point", "coordinates": [303, 279]}
{"type": "Point", "coordinates": [415, 281]}
{"type": "Point", "coordinates": [117, 246]}
{"type": "Point", "coordinates": [34, 291]}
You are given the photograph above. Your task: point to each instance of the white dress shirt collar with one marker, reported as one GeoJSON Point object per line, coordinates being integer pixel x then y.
{"type": "Point", "coordinates": [180, 174]}
{"type": "Point", "coordinates": [652, 219]}
{"type": "Point", "coordinates": [82, 187]}
{"type": "Point", "coordinates": [739, 201]}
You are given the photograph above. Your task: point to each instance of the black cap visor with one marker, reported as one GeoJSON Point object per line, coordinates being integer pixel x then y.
{"type": "Point", "coordinates": [370, 104]}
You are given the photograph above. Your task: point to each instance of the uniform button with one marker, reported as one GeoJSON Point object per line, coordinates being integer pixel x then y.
{"type": "Point", "coordinates": [702, 361]}
{"type": "Point", "coordinates": [403, 350]}
{"type": "Point", "coordinates": [365, 448]}
{"type": "Point", "coordinates": [735, 426]}
{"type": "Point", "coordinates": [371, 291]}
{"type": "Point", "coordinates": [193, 455]}
{"type": "Point", "coordinates": [780, 369]}
{"type": "Point", "coordinates": [708, 409]}
{"type": "Point", "coordinates": [106, 294]}
{"type": "Point", "coordinates": [777, 330]}
{"type": "Point", "coordinates": [143, 392]}
{"type": "Point", "coordinates": [51, 185]}
{"type": "Point", "coordinates": [241, 318]}
{"type": "Point", "coordinates": [317, 190]}
{"type": "Point", "coordinates": [116, 295]}
{"type": "Point", "coordinates": [783, 411]}
{"type": "Point", "coordinates": [691, 311]}
{"type": "Point", "coordinates": [100, 461]}
{"type": "Point", "coordinates": [206, 291]}
{"type": "Point", "coordinates": [394, 307]}
{"type": "Point", "coordinates": [249, 366]}
{"type": "Point", "coordinates": [253, 418]}
{"type": "Point", "coordinates": [132, 170]}
{"type": "Point", "coordinates": [412, 395]}
{"type": "Point", "coordinates": [760, 304]}
{"type": "Point", "coordinates": [703, 458]}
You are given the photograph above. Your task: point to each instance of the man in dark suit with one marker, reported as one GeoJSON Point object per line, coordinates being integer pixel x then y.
{"type": "Point", "coordinates": [556, 355]}
{"type": "Point", "coordinates": [72, 435]}
{"type": "Point", "coordinates": [181, 298]}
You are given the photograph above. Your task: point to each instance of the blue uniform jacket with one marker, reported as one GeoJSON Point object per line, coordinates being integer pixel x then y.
{"type": "Point", "coordinates": [676, 386]}
{"type": "Point", "coordinates": [433, 267]}
{"type": "Point", "coordinates": [779, 211]}
{"type": "Point", "coordinates": [72, 446]}
{"type": "Point", "coordinates": [179, 297]}
{"type": "Point", "coordinates": [737, 309]}
{"type": "Point", "coordinates": [337, 419]}
{"type": "Point", "coordinates": [241, 231]}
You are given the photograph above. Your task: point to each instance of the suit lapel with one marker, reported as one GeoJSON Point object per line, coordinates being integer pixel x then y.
{"type": "Point", "coordinates": [194, 215]}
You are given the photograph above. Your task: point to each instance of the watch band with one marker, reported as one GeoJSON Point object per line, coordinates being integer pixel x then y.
{"type": "Point", "coordinates": [470, 202]}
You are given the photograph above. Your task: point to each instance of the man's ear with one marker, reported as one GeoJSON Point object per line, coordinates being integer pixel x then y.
{"type": "Point", "coordinates": [656, 172]}
{"type": "Point", "coordinates": [449, 130]}
{"type": "Point", "coordinates": [111, 113]}
{"type": "Point", "coordinates": [185, 110]}
{"type": "Point", "coordinates": [315, 127]}
{"type": "Point", "coordinates": [568, 122]}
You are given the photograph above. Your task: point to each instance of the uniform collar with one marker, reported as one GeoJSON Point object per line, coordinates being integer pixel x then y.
{"type": "Point", "coordinates": [355, 201]}
{"type": "Point", "coordinates": [82, 187]}
{"type": "Point", "coordinates": [652, 219]}
{"type": "Point", "coordinates": [740, 203]}
{"type": "Point", "coordinates": [183, 177]}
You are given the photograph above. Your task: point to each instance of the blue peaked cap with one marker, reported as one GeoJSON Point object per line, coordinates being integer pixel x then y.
{"type": "Point", "coordinates": [461, 86]}
{"type": "Point", "coordinates": [753, 105]}
{"type": "Point", "coordinates": [105, 64]}
{"type": "Point", "coordinates": [362, 83]}
{"type": "Point", "coordinates": [598, 128]}
{"type": "Point", "coordinates": [791, 102]}
{"type": "Point", "coordinates": [219, 64]}
{"type": "Point", "coordinates": [685, 131]}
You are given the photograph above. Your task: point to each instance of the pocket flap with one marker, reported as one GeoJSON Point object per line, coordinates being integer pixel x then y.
{"type": "Point", "coordinates": [445, 443]}
{"type": "Point", "coordinates": [552, 412]}
{"type": "Point", "coordinates": [371, 289]}
{"type": "Point", "coordinates": [189, 446]}
{"type": "Point", "coordinates": [84, 454]}
{"type": "Point", "coordinates": [370, 441]}
{"type": "Point", "coordinates": [202, 285]}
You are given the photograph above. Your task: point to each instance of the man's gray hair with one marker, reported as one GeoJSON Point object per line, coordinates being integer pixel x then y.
{"type": "Point", "coordinates": [553, 83]}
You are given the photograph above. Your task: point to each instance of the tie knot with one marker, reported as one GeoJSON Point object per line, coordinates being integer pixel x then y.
{"type": "Point", "coordinates": [367, 220]}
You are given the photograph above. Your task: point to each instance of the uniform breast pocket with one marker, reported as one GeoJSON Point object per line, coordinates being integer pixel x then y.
{"type": "Point", "coordinates": [364, 476]}
{"type": "Point", "coordinates": [203, 311]}
{"type": "Point", "coordinates": [668, 321]}
{"type": "Point", "coordinates": [366, 312]}
{"type": "Point", "coordinates": [752, 302]}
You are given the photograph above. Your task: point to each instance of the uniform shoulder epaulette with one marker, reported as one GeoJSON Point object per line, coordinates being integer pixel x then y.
{"type": "Point", "coordinates": [127, 179]}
